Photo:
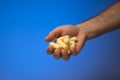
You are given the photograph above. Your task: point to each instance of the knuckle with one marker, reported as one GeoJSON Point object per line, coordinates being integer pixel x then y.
{"type": "Point", "coordinates": [63, 53]}
{"type": "Point", "coordinates": [59, 27]}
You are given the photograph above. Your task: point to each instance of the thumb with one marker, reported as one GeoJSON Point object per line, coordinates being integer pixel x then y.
{"type": "Point", "coordinates": [54, 34]}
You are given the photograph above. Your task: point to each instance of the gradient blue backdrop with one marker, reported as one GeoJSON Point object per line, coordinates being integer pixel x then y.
{"type": "Point", "coordinates": [23, 27]}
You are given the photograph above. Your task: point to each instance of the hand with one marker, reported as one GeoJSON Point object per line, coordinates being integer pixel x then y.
{"type": "Point", "coordinates": [66, 30]}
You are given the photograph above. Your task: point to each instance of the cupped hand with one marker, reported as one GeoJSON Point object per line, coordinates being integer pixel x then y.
{"type": "Point", "coordinates": [66, 30]}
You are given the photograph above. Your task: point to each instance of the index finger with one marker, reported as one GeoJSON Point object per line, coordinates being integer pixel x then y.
{"type": "Point", "coordinates": [54, 34]}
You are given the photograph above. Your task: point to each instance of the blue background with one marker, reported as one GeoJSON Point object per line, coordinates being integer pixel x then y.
{"type": "Point", "coordinates": [23, 27]}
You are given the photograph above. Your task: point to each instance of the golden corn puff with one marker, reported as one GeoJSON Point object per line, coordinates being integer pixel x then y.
{"type": "Point", "coordinates": [66, 40]}
{"type": "Point", "coordinates": [54, 45]}
{"type": "Point", "coordinates": [73, 39]}
{"type": "Point", "coordinates": [72, 44]}
{"type": "Point", "coordinates": [62, 44]}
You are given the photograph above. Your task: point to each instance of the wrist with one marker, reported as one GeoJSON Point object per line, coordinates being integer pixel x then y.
{"type": "Point", "coordinates": [90, 28]}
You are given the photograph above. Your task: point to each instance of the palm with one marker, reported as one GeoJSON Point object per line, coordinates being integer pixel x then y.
{"type": "Point", "coordinates": [66, 30]}
{"type": "Point", "coordinates": [69, 30]}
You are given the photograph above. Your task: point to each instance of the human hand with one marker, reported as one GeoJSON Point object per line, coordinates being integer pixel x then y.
{"type": "Point", "coordinates": [66, 30]}
{"type": "Point", "coordinates": [89, 29]}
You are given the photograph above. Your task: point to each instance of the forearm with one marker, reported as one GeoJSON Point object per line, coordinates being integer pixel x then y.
{"type": "Point", "coordinates": [107, 21]}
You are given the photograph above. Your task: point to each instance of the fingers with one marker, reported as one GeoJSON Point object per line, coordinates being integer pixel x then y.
{"type": "Point", "coordinates": [65, 55]}
{"type": "Point", "coordinates": [54, 34]}
{"type": "Point", "coordinates": [57, 53]}
{"type": "Point", "coordinates": [50, 49]}
{"type": "Point", "coordinates": [73, 51]}
{"type": "Point", "coordinates": [81, 38]}
{"type": "Point", "coordinates": [61, 53]}
{"type": "Point", "coordinates": [80, 43]}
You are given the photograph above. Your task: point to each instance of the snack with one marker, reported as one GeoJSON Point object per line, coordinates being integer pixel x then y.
{"type": "Point", "coordinates": [64, 42]}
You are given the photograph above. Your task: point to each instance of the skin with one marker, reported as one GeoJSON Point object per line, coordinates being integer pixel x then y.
{"type": "Point", "coordinates": [106, 21]}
